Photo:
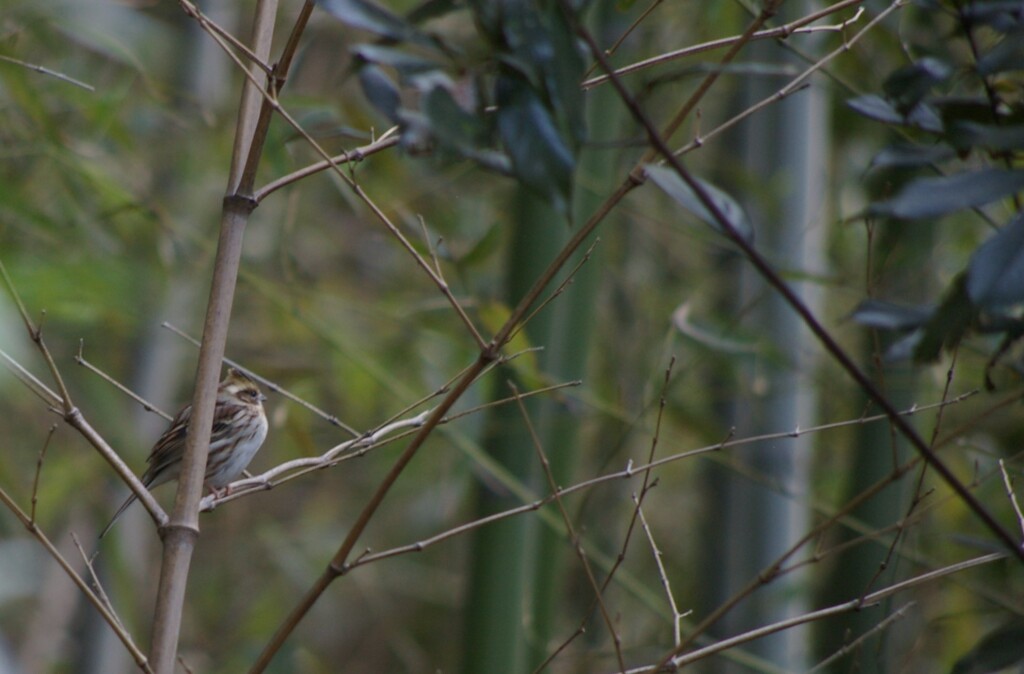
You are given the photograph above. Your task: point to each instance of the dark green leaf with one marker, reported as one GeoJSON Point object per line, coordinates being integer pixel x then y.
{"type": "Point", "coordinates": [948, 324]}
{"type": "Point", "coordinates": [998, 650]}
{"type": "Point", "coordinates": [996, 138]}
{"type": "Point", "coordinates": [1002, 15]}
{"type": "Point", "coordinates": [906, 87]}
{"type": "Point", "coordinates": [544, 49]}
{"type": "Point", "coordinates": [449, 125]}
{"type": "Point", "coordinates": [452, 124]}
{"type": "Point", "coordinates": [432, 9]}
{"type": "Point", "coordinates": [542, 159]}
{"type": "Point", "coordinates": [1008, 55]}
{"type": "Point", "coordinates": [879, 109]}
{"type": "Point", "coordinates": [924, 117]}
{"type": "Point", "coordinates": [889, 316]}
{"type": "Point", "coordinates": [405, 63]}
{"type": "Point", "coordinates": [380, 91]}
{"type": "Point", "coordinates": [958, 109]}
{"type": "Point", "coordinates": [995, 275]}
{"type": "Point", "coordinates": [670, 182]}
{"type": "Point", "coordinates": [910, 156]}
{"type": "Point", "coordinates": [488, 15]}
{"type": "Point", "coordinates": [371, 17]}
{"type": "Point", "coordinates": [903, 349]}
{"type": "Point", "coordinates": [484, 249]}
{"type": "Point", "coordinates": [931, 197]}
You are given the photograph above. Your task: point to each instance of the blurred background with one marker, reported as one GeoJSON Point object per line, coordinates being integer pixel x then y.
{"type": "Point", "coordinates": [109, 204]}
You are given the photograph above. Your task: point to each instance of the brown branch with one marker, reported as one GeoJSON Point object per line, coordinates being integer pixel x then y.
{"type": "Point", "coordinates": [222, 36]}
{"type": "Point", "coordinates": [61, 404]}
{"type": "Point", "coordinates": [853, 605]}
{"type": "Point", "coordinates": [856, 643]}
{"type": "Point", "coordinates": [622, 38]}
{"type": "Point", "coordinates": [146, 405]}
{"type": "Point", "coordinates": [574, 538]}
{"type": "Point", "coordinates": [108, 616]}
{"type": "Point", "coordinates": [329, 418]}
{"type": "Point", "coordinates": [631, 471]}
{"type": "Point", "coordinates": [386, 141]}
{"type": "Point", "coordinates": [798, 83]}
{"type": "Point", "coordinates": [339, 562]}
{"type": "Point", "coordinates": [181, 532]}
{"type": "Point", "coordinates": [46, 71]}
{"type": "Point", "coordinates": [39, 472]}
{"type": "Point", "coordinates": [781, 32]}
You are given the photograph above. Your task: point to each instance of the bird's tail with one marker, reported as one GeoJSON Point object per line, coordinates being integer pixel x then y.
{"type": "Point", "coordinates": [124, 506]}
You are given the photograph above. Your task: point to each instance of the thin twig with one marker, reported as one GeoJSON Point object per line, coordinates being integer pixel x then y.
{"type": "Point", "coordinates": [271, 102]}
{"type": "Point", "coordinates": [566, 282]}
{"type": "Point", "coordinates": [94, 578]}
{"type": "Point", "coordinates": [899, 613]}
{"type": "Point", "coordinates": [384, 434]}
{"type": "Point", "coordinates": [39, 472]}
{"type": "Point", "coordinates": [61, 404]}
{"type": "Point", "coordinates": [31, 382]}
{"type": "Point", "coordinates": [918, 494]}
{"type": "Point", "coordinates": [632, 471]}
{"type": "Point", "coordinates": [295, 467]}
{"type": "Point", "coordinates": [838, 609]}
{"type": "Point", "coordinates": [505, 401]}
{"type": "Point", "coordinates": [610, 51]}
{"type": "Point", "coordinates": [768, 10]}
{"type": "Point", "coordinates": [574, 538]}
{"type": "Point", "coordinates": [1008, 483]}
{"type": "Point", "coordinates": [677, 617]}
{"type": "Point", "coordinates": [105, 613]}
{"type": "Point", "coordinates": [798, 83]}
{"type": "Point", "coordinates": [271, 386]}
{"type": "Point", "coordinates": [339, 562]}
{"type": "Point", "coordinates": [222, 35]}
{"type": "Point", "coordinates": [36, 334]}
{"type": "Point", "coordinates": [146, 405]}
{"type": "Point", "coordinates": [782, 32]}
{"type": "Point", "coordinates": [46, 71]}
{"type": "Point", "coordinates": [387, 140]}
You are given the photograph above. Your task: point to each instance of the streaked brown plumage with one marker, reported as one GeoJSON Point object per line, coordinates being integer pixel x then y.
{"type": "Point", "coordinates": [239, 428]}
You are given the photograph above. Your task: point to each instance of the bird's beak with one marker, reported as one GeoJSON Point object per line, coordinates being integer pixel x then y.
{"type": "Point", "coordinates": [262, 397]}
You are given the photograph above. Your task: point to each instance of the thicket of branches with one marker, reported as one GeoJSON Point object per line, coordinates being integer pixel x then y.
{"type": "Point", "coordinates": [484, 258]}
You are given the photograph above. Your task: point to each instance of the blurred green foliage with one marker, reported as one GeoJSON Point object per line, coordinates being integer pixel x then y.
{"type": "Point", "coordinates": [109, 203]}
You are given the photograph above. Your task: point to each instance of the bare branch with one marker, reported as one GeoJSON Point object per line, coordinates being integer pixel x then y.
{"type": "Point", "coordinates": [574, 538]}
{"type": "Point", "coordinates": [329, 418]}
{"type": "Point", "coordinates": [796, 27]}
{"type": "Point", "coordinates": [39, 472]}
{"type": "Point", "coordinates": [222, 36]}
{"type": "Point", "coordinates": [798, 83]}
{"type": "Point", "coordinates": [388, 140]}
{"type": "Point", "coordinates": [47, 71]}
{"type": "Point", "coordinates": [1008, 483]}
{"type": "Point", "coordinates": [838, 609]}
{"type": "Point", "coordinates": [146, 405]}
{"type": "Point", "coordinates": [632, 471]}
{"type": "Point", "coordinates": [899, 613]}
{"type": "Point", "coordinates": [677, 617]}
{"type": "Point", "coordinates": [101, 607]}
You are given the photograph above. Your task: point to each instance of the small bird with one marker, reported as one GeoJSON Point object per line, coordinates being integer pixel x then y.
{"type": "Point", "coordinates": [239, 428]}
